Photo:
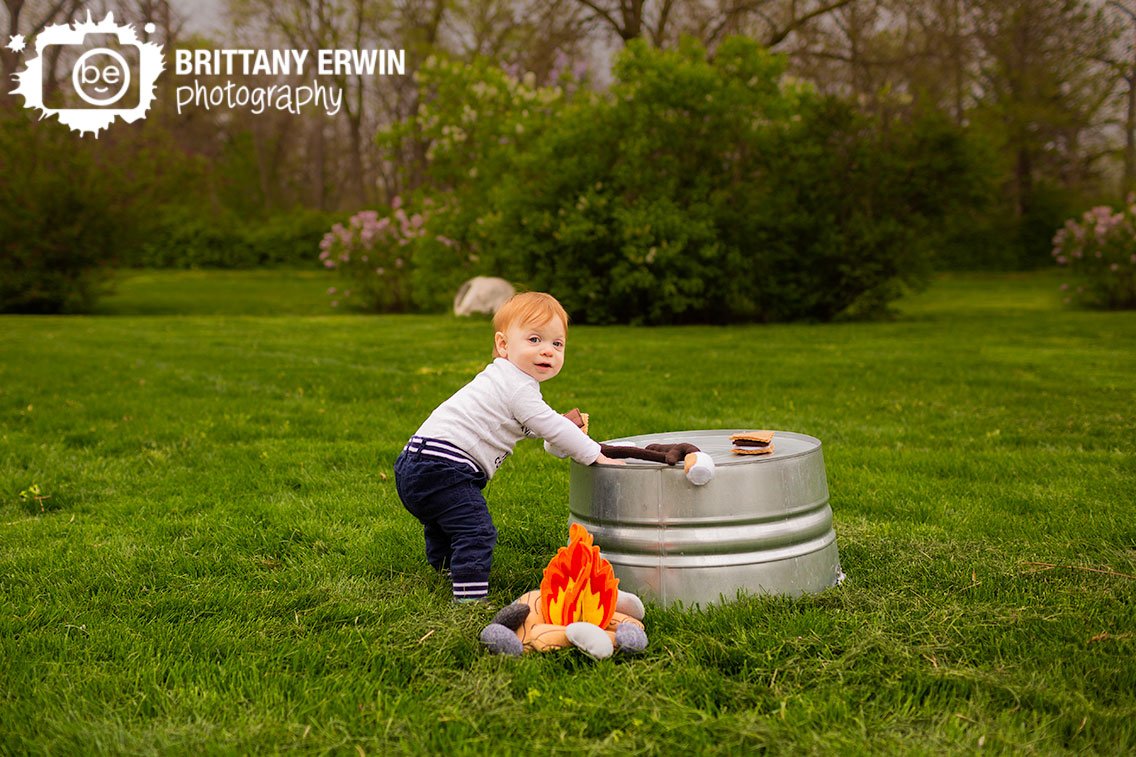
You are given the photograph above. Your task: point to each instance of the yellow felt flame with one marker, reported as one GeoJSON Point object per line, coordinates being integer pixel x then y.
{"type": "Point", "coordinates": [589, 606]}
{"type": "Point", "coordinates": [579, 584]}
{"type": "Point", "coordinates": [560, 602]}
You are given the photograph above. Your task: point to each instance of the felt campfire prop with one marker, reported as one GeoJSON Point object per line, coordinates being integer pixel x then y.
{"type": "Point", "coordinates": [579, 604]}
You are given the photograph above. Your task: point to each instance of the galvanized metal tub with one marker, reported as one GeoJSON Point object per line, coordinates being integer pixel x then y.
{"type": "Point", "coordinates": [763, 525]}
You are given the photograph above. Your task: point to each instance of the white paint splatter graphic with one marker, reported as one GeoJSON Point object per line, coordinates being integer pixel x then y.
{"type": "Point", "coordinates": [101, 77]}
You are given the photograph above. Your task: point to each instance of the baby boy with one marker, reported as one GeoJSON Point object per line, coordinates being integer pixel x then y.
{"type": "Point", "coordinates": [443, 469]}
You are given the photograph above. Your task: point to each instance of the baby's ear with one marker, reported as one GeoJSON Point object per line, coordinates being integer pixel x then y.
{"type": "Point", "coordinates": [499, 343]}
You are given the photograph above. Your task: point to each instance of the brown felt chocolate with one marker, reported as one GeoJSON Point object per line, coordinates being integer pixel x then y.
{"type": "Point", "coordinates": [670, 454]}
{"type": "Point", "coordinates": [580, 419]}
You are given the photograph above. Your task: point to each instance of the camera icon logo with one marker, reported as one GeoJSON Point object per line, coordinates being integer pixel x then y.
{"type": "Point", "coordinates": [113, 74]}
{"type": "Point", "coordinates": [101, 76]}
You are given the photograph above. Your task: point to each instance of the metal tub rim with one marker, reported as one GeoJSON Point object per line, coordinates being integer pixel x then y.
{"type": "Point", "coordinates": [691, 436]}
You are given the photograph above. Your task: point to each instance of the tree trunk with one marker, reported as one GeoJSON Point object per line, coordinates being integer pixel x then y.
{"type": "Point", "coordinates": [1130, 138]}
{"type": "Point", "coordinates": [1023, 181]}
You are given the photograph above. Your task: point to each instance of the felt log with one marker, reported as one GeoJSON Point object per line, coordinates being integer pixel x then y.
{"type": "Point", "coordinates": [698, 466]}
{"type": "Point", "coordinates": [669, 454]}
{"type": "Point", "coordinates": [539, 636]}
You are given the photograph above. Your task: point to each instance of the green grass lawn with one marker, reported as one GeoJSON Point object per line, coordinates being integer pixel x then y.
{"type": "Point", "coordinates": [221, 563]}
{"type": "Point", "coordinates": [204, 292]}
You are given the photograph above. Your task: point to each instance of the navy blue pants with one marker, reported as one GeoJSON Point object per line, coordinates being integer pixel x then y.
{"type": "Point", "coordinates": [441, 486]}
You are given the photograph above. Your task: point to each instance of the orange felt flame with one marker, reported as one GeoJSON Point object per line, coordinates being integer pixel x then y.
{"type": "Point", "coordinates": [578, 584]}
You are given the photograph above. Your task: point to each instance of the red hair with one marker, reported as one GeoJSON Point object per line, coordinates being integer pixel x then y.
{"type": "Point", "coordinates": [525, 308]}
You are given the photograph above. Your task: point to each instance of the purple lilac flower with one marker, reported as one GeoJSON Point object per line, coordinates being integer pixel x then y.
{"type": "Point", "coordinates": [559, 66]}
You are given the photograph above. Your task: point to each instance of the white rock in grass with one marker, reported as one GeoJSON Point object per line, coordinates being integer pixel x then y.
{"type": "Point", "coordinates": [629, 604]}
{"type": "Point", "coordinates": [590, 639]}
{"type": "Point", "coordinates": [482, 294]}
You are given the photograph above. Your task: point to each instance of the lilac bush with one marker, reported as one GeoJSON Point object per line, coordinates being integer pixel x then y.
{"type": "Point", "coordinates": [373, 254]}
{"type": "Point", "coordinates": [1099, 250]}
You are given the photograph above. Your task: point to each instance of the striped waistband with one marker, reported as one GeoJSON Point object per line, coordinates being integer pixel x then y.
{"type": "Point", "coordinates": [439, 448]}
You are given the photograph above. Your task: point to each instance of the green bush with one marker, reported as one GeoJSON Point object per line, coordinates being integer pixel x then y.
{"type": "Point", "coordinates": [990, 234]}
{"type": "Point", "coordinates": [472, 125]}
{"type": "Point", "coordinates": [1049, 206]}
{"type": "Point", "coordinates": [71, 210]}
{"type": "Point", "coordinates": [185, 236]}
{"type": "Point", "coordinates": [288, 238]}
{"type": "Point", "coordinates": [709, 191]}
{"type": "Point", "coordinates": [62, 219]}
{"type": "Point", "coordinates": [694, 190]}
{"type": "Point", "coordinates": [847, 214]}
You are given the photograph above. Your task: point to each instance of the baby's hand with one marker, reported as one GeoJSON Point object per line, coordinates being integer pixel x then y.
{"type": "Point", "coordinates": [605, 460]}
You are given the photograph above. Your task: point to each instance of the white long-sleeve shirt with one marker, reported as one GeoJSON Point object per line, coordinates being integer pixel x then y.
{"type": "Point", "coordinates": [498, 408]}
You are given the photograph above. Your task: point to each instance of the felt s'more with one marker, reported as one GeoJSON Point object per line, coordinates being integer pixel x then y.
{"type": "Point", "coordinates": [580, 419]}
{"type": "Point", "coordinates": [752, 443]}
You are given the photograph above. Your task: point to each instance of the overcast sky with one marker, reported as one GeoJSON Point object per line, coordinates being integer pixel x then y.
{"type": "Point", "coordinates": [199, 15]}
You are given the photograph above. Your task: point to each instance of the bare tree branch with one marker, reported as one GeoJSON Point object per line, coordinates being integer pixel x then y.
{"type": "Point", "coordinates": [658, 33]}
{"type": "Point", "coordinates": [779, 36]}
{"type": "Point", "coordinates": [603, 14]}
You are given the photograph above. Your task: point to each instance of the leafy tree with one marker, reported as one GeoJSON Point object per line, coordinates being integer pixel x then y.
{"type": "Point", "coordinates": [473, 122]}
{"type": "Point", "coordinates": [61, 220]}
{"type": "Point", "coordinates": [695, 190]}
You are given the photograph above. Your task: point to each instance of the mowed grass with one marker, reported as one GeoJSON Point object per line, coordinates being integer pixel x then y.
{"type": "Point", "coordinates": [221, 563]}
{"type": "Point", "coordinates": [213, 292]}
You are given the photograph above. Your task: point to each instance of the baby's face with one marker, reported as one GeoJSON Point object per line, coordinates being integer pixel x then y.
{"type": "Point", "coordinates": [537, 349]}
